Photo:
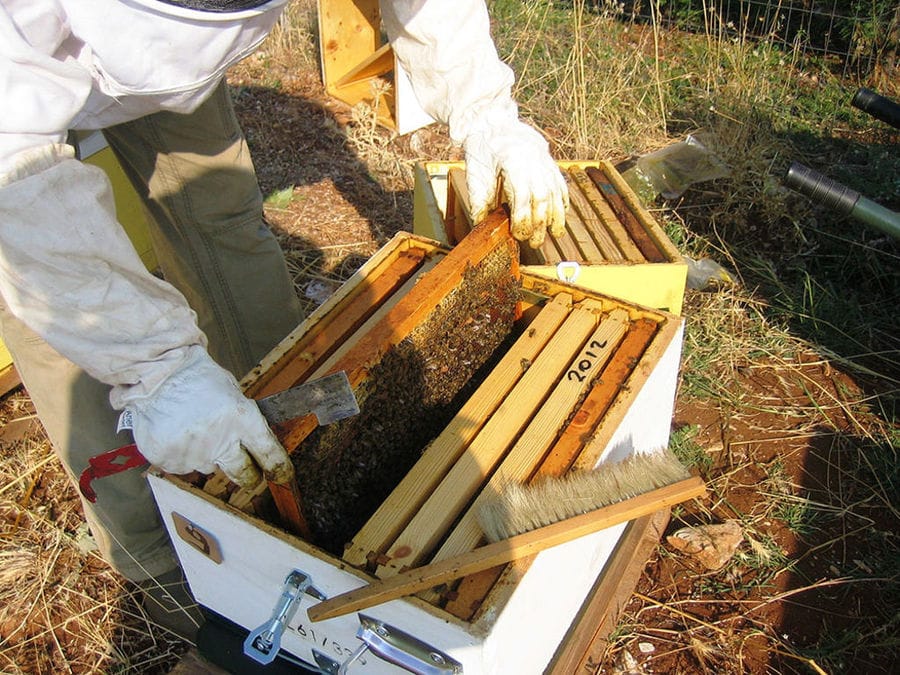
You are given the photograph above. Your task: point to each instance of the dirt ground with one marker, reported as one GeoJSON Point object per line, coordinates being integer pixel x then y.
{"type": "Point", "coordinates": [786, 587]}
{"type": "Point", "coordinates": [765, 611]}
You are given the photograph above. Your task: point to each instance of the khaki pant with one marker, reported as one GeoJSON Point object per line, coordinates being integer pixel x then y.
{"type": "Point", "coordinates": [197, 181]}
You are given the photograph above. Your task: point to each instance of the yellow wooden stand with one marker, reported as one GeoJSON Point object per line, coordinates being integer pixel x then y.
{"type": "Point", "coordinates": [9, 378]}
{"type": "Point", "coordinates": [359, 66]}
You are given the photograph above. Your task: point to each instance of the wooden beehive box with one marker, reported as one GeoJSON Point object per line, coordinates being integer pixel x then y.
{"type": "Point", "coordinates": [611, 245]}
{"type": "Point", "coordinates": [359, 65]}
{"type": "Point", "coordinates": [574, 379]}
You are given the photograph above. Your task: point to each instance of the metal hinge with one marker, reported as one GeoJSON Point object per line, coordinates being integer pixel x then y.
{"type": "Point", "coordinates": [395, 646]}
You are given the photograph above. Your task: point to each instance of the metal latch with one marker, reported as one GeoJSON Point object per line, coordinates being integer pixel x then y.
{"type": "Point", "coordinates": [401, 649]}
{"type": "Point", "coordinates": [262, 644]}
{"type": "Point", "coordinates": [326, 664]}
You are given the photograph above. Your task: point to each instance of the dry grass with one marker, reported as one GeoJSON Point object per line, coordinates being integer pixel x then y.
{"type": "Point", "coordinates": [588, 104]}
{"type": "Point", "coordinates": [62, 609]}
{"type": "Point", "coordinates": [805, 460]}
{"type": "Point", "coordinates": [794, 430]}
{"type": "Point", "coordinates": [294, 40]}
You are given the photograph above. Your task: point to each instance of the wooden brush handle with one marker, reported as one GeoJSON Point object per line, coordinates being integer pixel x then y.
{"type": "Point", "coordinates": [502, 552]}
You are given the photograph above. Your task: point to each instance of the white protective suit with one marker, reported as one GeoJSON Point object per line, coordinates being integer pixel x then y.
{"type": "Point", "coordinates": [68, 270]}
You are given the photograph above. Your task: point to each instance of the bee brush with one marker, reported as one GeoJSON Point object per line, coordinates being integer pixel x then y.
{"type": "Point", "coordinates": [550, 512]}
{"type": "Point", "coordinates": [521, 508]}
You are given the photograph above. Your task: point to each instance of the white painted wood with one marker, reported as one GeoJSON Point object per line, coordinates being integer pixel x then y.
{"type": "Point", "coordinates": [518, 638]}
{"type": "Point", "coordinates": [255, 562]}
{"type": "Point", "coordinates": [526, 631]}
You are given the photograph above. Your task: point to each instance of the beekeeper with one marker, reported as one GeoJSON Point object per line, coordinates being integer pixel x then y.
{"type": "Point", "coordinates": [92, 333]}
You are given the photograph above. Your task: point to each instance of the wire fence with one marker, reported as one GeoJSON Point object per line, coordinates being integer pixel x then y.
{"type": "Point", "coordinates": [855, 36]}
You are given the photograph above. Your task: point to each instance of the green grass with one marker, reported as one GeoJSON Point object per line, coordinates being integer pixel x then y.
{"type": "Point", "coordinates": [280, 199]}
{"type": "Point", "coordinates": [801, 515]}
{"type": "Point", "coordinates": [688, 451]}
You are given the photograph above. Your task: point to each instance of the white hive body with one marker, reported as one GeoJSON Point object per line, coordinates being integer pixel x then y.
{"type": "Point", "coordinates": [565, 341]}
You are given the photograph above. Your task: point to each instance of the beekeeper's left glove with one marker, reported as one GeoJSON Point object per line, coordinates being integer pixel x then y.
{"type": "Point", "coordinates": [503, 152]}
{"type": "Point", "coordinates": [199, 419]}
{"type": "Point", "coordinates": [446, 50]}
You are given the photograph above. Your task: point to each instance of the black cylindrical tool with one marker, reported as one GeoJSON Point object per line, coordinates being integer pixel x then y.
{"type": "Point", "coordinates": [831, 194]}
{"type": "Point", "coordinates": [877, 106]}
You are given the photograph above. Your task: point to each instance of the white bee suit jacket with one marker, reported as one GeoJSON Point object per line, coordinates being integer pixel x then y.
{"type": "Point", "coordinates": [66, 267]}
{"type": "Point", "coordinates": [77, 64]}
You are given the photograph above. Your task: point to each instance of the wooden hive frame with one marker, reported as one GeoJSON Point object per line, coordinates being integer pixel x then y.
{"type": "Point", "coordinates": [521, 424]}
{"type": "Point", "coordinates": [358, 327]}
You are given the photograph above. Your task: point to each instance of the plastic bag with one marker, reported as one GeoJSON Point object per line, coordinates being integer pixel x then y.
{"type": "Point", "coordinates": [671, 170]}
{"type": "Point", "coordinates": [706, 274]}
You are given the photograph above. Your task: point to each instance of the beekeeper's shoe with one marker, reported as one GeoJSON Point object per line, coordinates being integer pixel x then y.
{"type": "Point", "coordinates": [170, 605]}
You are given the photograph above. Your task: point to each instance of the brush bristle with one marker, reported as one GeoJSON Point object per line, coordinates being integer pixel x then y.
{"type": "Point", "coordinates": [521, 508]}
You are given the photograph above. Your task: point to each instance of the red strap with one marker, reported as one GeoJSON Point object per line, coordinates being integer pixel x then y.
{"type": "Point", "coordinates": [107, 464]}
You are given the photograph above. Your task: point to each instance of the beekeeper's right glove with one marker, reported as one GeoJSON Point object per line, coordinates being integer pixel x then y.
{"type": "Point", "coordinates": [199, 419]}
{"type": "Point", "coordinates": [69, 271]}
{"type": "Point", "coordinates": [503, 151]}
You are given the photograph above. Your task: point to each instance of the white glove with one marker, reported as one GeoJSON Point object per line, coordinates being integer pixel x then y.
{"type": "Point", "coordinates": [533, 186]}
{"type": "Point", "coordinates": [458, 78]}
{"type": "Point", "coordinates": [198, 419]}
